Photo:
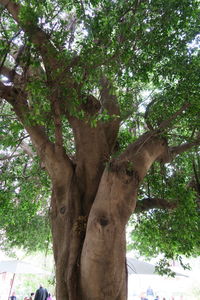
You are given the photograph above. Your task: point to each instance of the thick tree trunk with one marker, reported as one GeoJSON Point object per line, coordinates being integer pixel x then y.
{"type": "Point", "coordinates": [103, 263]}
{"type": "Point", "coordinates": [68, 233]}
{"type": "Point", "coordinates": [91, 261]}
{"type": "Point", "coordinates": [90, 249]}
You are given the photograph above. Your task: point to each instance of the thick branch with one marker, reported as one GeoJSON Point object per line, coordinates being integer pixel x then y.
{"type": "Point", "coordinates": [9, 73]}
{"type": "Point", "coordinates": [12, 7]}
{"type": "Point", "coordinates": [91, 152]}
{"type": "Point", "coordinates": [146, 115]}
{"type": "Point", "coordinates": [151, 203]}
{"type": "Point", "coordinates": [58, 167]}
{"type": "Point", "coordinates": [109, 102]}
{"type": "Point", "coordinates": [140, 155]}
{"type": "Point", "coordinates": [93, 146]}
{"type": "Point", "coordinates": [166, 123]}
{"type": "Point", "coordinates": [45, 149]}
{"type": "Point", "coordinates": [174, 151]}
{"type": "Point", "coordinates": [8, 93]}
{"type": "Point", "coordinates": [27, 149]}
{"type": "Point", "coordinates": [56, 111]}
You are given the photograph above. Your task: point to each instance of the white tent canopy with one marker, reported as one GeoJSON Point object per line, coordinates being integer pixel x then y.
{"type": "Point", "coordinates": [20, 267]}
{"type": "Point", "coordinates": [136, 266]}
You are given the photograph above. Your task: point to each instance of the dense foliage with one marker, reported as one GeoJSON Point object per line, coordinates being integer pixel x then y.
{"type": "Point", "coordinates": [149, 50]}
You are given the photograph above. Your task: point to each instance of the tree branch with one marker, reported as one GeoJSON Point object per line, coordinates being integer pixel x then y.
{"type": "Point", "coordinates": [27, 149]}
{"type": "Point", "coordinates": [147, 114]}
{"type": "Point", "coordinates": [166, 123]}
{"type": "Point", "coordinates": [56, 110]}
{"type": "Point", "coordinates": [109, 102]}
{"type": "Point", "coordinates": [43, 146]}
{"type": "Point", "coordinates": [37, 35]}
{"type": "Point", "coordinates": [130, 9]}
{"type": "Point", "coordinates": [151, 203]}
{"type": "Point", "coordinates": [184, 147]}
{"type": "Point", "coordinates": [8, 47]}
{"type": "Point", "coordinates": [8, 93]}
{"type": "Point", "coordinates": [46, 151]}
{"type": "Point", "coordinates": [12, 7]}
{"type": "Point", "coordinates": [9, 157]}
{"type": "Point", "coordinates": [140, 155]}
{"type": "Point", "coordinates": [10, 74]}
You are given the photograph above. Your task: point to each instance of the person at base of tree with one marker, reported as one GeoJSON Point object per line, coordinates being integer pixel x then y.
{"type": "Point", "coordinates": [41, 294]}
{"type": "Point", "coordinates": [13, 297]}
{"type": "Point", "coordinates": [31, 297]}
{"type": "Point", "coordinates": [49, 297]}
{"type": "Point", "coordinates": [150, 293]}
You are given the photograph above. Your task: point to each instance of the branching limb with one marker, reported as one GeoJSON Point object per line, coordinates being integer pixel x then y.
{"type": "Point", "coordinates": [166, 123]}
{"type": "Point", "coordinates": [27, 149]}
{"type": "Point", "coordinates": [46, 151]}
{"type": "Point", "coordinates": [140, 155]}
{"type": "Point", "coordinates": [10, 74]}
{"type": "Point", "coordinates": [43, 146]}
{"type": "Point", "coordinates": [8, 93]}
{"type": "Point", "coordinates": [9, 157]}
{"type": "Point", "coordinates": [147, 114]}
{"type": "Point", "coordinates": [8, 47]}
{"type": "Point", "coordinates": [56, 111]}
{"type": "Point", "coordinates": [151, 203]}
{"type": "Point", "coordinates": [108, 100]}
{"type": "Point", "coordinates": [109, 103]}
{"type": "Point", "coordinates": [174, 151]}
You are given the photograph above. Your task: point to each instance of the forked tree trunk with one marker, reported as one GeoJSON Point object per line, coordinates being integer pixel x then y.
{"type": "Point", "coordinates": [90, 252]}
{"type": "Point", "coordinates": [89, 243]}
{"type": "Point", "coordinates": [93, 197]}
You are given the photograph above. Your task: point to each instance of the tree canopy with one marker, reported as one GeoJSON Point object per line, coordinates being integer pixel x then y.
{"type": "Point", "coordinates": [143, 53]}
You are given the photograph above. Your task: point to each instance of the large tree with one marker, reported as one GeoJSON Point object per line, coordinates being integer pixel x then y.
{"type": "Point", "coordinates": [103, 89]}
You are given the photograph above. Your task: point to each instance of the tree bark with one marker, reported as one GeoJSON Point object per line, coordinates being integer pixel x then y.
{"type": "Point", "coordinates": [67, 236]}
{"type": "Point", "coordinates": [91, 261]}
{"type": "Point", "coordinates": [90, 246]}
{"type": "Point", "coordinates": [103, 258]}
{"type": "Point", "coordinates": [92, 199]}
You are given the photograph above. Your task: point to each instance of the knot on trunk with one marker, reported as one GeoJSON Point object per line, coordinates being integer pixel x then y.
{"type": "Point", "coordinates": [62, 210]}
{"type": "Point", "coordinates": [103, 221]}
